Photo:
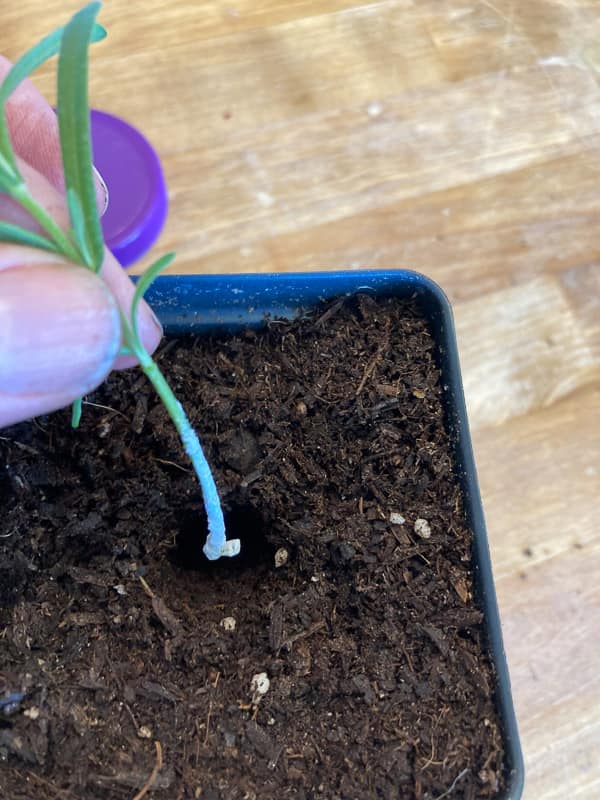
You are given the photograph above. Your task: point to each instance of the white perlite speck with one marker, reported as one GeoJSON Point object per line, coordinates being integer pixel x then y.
{"type": "Point", "coordinates": [228, 623]}
{"type": "Point", "coordinates": [259, 685]}
{"type": "Point", "coordinates": [396, 518]}
{"type": "Point", "coordinates": [422, 528]}
{"type": "Point", "coordinates": [281, 557]}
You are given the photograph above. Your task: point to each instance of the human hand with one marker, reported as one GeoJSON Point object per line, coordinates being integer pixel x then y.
{"type": "Point", "coordinates": [60, 330]}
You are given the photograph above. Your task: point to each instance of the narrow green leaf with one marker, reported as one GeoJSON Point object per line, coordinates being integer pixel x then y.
{"type": "Point", "coordinates": [13, 234]}
{"type": "Point", "coordinates": [37, 55]}
{"type": "Point", "coordinates": [28, 63]}
{"type": "Point", "coordinates": [9, 172]}
{"type": "Point", "coordinates": [76, 412]}
{"type": "Point", "coordinates": [74, 124]}
{"type": "Point", "coordinates": [77, 221]}
{"type": "Point", "coordinates": [8, 177]}
{"type": "Point", "coordinates": [144, 283]}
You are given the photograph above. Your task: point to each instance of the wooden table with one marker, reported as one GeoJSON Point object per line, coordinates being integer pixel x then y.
{"type": "Point", "coordinates": [461, 139]}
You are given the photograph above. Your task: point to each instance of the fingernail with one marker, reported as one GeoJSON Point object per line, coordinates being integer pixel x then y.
{"type": "Point", "coordinates": [59, 330]}
{"type": "Point", "coordinates": [104, 188]}
{"type": "Point", "coordinates": [156, 321]}
{"type": "Point", "coordinates": [151, 330]}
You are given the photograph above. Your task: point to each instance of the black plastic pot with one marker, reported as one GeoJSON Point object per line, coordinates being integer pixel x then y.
{"type": "Point", "coordinates": [198, 304]}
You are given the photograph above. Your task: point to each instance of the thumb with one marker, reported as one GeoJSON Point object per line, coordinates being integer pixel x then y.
{"type": "Point", "coordinates": [59, 336]}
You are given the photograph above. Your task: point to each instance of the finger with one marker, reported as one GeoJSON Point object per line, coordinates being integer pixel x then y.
{"type": "Point", "coordinates": [112, 272]}
{"type": "Point", "coordinates": [33, 127]}
{"type": "Point", "coordinates": [59, 333]}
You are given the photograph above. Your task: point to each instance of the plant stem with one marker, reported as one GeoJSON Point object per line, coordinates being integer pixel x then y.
{"type": "Point", "coordinates": [21, 194]}
{"type": "Point", "coordinates": [217, 544]}
{"type": "Point", "coordinates": [83, 244]}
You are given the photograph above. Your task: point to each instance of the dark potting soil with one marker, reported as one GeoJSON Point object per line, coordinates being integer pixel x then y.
{"type": "Point", "coordinates": [354, 669]}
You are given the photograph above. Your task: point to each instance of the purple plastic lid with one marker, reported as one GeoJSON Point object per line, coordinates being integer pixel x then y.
{"type": "Point", "coordinates": [137, 192]}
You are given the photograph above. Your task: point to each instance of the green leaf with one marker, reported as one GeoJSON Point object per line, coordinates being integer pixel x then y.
{"type": "Point", "coordinates": [8, 177]}
{"type": "Point", "coordinates": [76, 412]}
{"type": "Point", "coordinates": [74, 124]}
{"type": "Point", "coordinates": [27, 64]}
{"type": "Point", "coordinates": [144, 283]}
{"type": "Point", "coordinates": [77, 221]}
{"type": "Point", "coordinates": [9, 172]}
{"type": "Point", "coordinates": [37, 55]}
{"type": "Point", "coordinates": [13, 234]}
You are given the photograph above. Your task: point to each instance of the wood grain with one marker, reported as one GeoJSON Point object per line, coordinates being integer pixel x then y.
{"type": "Point", "coordinates": [458, 138]}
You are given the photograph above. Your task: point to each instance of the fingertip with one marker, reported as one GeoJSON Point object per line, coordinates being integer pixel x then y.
{"type": "Point", "coordinates": [64, 346]}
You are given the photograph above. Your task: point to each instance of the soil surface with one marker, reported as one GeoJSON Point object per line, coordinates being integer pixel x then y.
{"type": "Point", "coordinates": [340, 656]}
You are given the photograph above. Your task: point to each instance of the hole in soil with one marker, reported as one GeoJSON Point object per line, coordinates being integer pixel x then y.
{"type": "Point", "coordinates": [242, 522]}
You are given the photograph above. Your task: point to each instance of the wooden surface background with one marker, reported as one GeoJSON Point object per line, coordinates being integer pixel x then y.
{"type": "Point", "coordinates": [458, 138]}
